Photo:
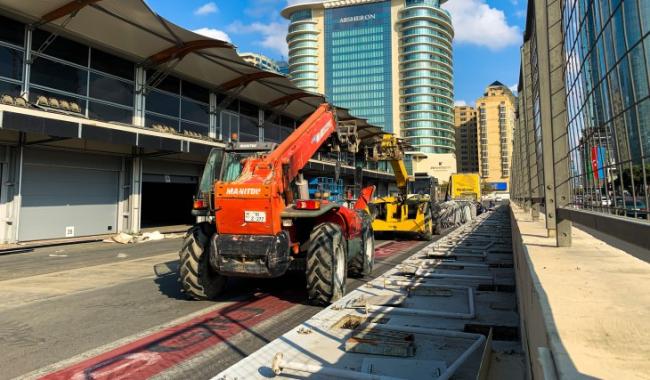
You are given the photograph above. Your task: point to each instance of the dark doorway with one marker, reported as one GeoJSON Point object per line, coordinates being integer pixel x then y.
{"type": "Point", "coordinates": [167, 204]}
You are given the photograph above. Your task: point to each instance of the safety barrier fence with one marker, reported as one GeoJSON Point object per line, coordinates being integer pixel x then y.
{"type": "Point", "coordinates": [576, 156]}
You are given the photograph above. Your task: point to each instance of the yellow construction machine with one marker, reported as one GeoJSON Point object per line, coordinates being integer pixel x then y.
{"type": "Point", "coordinates": [403, 212]}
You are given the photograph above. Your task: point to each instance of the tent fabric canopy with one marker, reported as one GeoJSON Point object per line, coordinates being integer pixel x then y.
{"type": "Point", "coordinates": [131, 29]}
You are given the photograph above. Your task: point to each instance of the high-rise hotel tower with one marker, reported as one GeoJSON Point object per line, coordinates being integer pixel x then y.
{"type": "Point", "coordinates": [389, 61]}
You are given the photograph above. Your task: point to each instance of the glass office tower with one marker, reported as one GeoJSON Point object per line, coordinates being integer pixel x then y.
{"type": "Point", "coordinates": [389, 61]}
{"type": "Point", "coordinates": [357, 65]}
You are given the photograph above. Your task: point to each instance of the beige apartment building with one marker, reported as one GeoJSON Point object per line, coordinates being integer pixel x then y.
{"type": "Point", "coordinates": [466, 139]}
{"type": "Point", "coordinates": [496, 122]}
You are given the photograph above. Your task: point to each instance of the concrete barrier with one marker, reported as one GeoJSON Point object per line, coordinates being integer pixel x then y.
{"type": "Point", "coordinates": [584, 310]}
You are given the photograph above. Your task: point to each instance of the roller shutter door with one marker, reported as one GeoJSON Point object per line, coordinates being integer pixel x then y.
{"type": "Point", "coordinates": [68, 195]}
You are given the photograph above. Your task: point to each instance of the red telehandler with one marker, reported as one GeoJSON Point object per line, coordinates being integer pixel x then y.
{"type": "Point", "coordinates": [262, 222]}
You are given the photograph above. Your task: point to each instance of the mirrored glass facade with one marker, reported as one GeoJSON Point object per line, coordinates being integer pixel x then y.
{"type": "Point", "coordinates": [607, 49]}
{"type": "Point", "coordinates": [358, 61]}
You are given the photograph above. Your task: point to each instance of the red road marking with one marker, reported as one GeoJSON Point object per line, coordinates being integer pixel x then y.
{"type": "Point", "coordinates": [394, 247]}
{"type": "Point", "coordinates": [155, 353]}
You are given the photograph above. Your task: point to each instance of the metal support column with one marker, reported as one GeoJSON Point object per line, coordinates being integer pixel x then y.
{"type": "Point", "coordinates": [27, 65]}
{"type": "Point", "coordinates": [553, 116]}
{"type": "Point", "coordinates": [517, 162]}
{"type": "Point", "coordinates": [531, 141]}
{"type": "Point", "coordinates": [214, 117]}
{"type": "Point", "coordinates": [140, 97]}
{"type": "Point", "coordinates": [135, 200]}
{"type": "Point", "coordinates": [260, 125]}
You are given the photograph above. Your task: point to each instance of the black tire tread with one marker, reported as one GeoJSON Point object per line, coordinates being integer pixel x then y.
{"type": "Point", "coordinates": [320, 263]}
{"type": "Point", "coordinates": [194, 275]}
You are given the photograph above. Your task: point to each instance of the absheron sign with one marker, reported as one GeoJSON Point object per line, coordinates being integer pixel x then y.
{"type": "Point", "coordinates": [358, 18]}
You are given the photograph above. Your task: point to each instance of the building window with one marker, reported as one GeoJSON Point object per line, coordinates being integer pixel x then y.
{"type": "Point", "coordinates": [178, 104]}
{"type": "Point", "coordinates": [304, 14]}
{"type": "Point", "coordinates": [11, 56]}
{"type": "Point", "coordinates": [100, 83]}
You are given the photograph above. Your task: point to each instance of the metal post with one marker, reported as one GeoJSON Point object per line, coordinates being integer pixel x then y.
{"type": "Point", "coordinates": [531, 141]}
{"type": "Point", "coordinates": [27, 64]}
{"type": "Point", "coordinates": [552, 99]}
{"type": "Point", "coordinates": [559, 121]}
{"type": "Point", "coordinates": [136, 192]}
{"type": "Point", "coordinates": [139, 96]}
{"type": "Point", "coordinates": [522, 171]}
{"type": "Point", "coordinates": [260, 125]}
{"type": "Point", "coordinates": [214, 121]}
{"type": "Point", "coordinates": [515, 176]}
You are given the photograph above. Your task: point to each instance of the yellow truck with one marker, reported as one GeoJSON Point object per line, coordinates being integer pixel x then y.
{"type": "Point", "coordinates": [464, 186]}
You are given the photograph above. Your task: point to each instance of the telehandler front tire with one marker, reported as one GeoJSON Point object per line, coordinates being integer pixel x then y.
{"type": "Point", "coordinates": [198, 280]}
{"type": "Point", "coordinates": [326, 264]}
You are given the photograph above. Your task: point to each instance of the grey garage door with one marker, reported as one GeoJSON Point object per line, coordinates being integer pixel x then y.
{"type": "Point", "coordinates": [61, 200]}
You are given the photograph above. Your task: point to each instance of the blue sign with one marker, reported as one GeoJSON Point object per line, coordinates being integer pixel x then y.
{"type": "Point", "coordinates": [498, 186]}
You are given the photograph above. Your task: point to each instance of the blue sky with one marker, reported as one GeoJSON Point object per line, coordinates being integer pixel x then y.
{"type": "Point", "coordinates": [486, 46]}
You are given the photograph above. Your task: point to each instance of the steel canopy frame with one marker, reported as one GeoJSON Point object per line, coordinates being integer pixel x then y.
{"type": "Point", "coordinates": [67, 9]}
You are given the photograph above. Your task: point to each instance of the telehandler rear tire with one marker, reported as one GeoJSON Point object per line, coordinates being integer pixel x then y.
{"type": "Point", "coordinates": [198, 280]}
{"type": "Point", "coordinates": [326, 264]}
{"type": "Point", "coordinates": [361, 265]}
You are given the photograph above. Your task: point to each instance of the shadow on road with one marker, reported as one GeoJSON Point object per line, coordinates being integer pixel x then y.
{"type": "Point", "coordinates": [290, 287]}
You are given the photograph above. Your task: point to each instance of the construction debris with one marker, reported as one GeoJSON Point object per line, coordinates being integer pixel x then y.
{"type": "Point", "coordinates": [124, 238]}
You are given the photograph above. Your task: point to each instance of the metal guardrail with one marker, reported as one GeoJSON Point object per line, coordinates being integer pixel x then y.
{"type": "Point", "coordinates": [630, 230]}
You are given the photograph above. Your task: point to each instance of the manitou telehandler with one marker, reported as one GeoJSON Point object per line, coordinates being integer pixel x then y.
{"type": "Point", "coordinates": [261, 221]}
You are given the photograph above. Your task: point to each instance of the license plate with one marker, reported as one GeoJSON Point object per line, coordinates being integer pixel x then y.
{"type": "Point", "coordinates": [255, 216]}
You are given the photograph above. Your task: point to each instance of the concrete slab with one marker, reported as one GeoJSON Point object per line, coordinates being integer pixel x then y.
{"type": "Point", "coordinates": [589, 304]}
{"type": "Point", "coordinates": [448, 326]}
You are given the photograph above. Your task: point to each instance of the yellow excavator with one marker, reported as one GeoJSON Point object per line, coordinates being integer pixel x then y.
{"type": "Point", "coordinates": [403, 212]}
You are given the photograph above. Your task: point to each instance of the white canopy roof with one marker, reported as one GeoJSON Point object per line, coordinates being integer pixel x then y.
{"type": "Point", "coordinates": [131, 29]}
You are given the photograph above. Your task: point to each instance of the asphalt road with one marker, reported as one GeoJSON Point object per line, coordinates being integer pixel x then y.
{"type": "Point", "coordinates": [103, 306]}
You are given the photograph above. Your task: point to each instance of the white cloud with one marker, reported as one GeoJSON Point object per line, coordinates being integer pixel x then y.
{"type": "Point", "coordinates": [273, 35]}
{"type": "Point", "coordinates": [460, 103]}
{"type": "Point", "coordinates": [476, 23]}
{"type": "Point", "coordinates": [213, 33]}
{"type": "Point", "coordinates": [294, 2]}
{"type": "Point", "coordinates": [206, 9]}
{"type": "Point", "coordinates": [513, 88]}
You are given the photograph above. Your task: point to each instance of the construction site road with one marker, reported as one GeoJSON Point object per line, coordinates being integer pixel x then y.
{"type": "Point", "coordinates": [101, 310]}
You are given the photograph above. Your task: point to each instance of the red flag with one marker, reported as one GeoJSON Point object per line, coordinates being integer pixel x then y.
{"type": "Point", "coordinates": [594, 162]}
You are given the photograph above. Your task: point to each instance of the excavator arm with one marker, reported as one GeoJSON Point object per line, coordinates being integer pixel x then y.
{"type": "Point", "coordinates": [389, 149]}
